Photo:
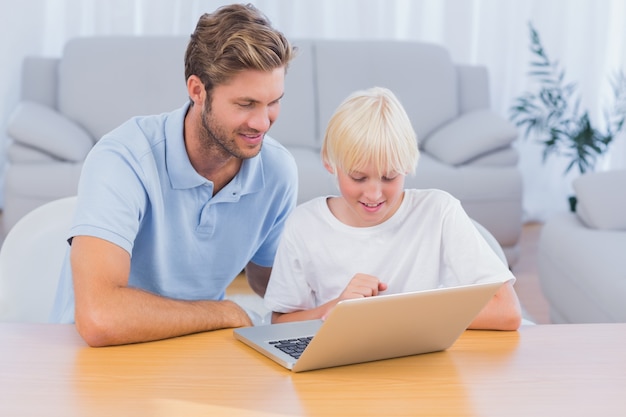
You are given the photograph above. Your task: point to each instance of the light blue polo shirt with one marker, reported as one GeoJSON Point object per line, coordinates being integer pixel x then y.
{"type": "Point", "coordinates": [139, 191]}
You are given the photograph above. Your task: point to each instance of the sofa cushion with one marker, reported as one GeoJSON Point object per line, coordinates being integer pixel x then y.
{"type": "Point", "coordinates": [469, 136]}
{"type": "Point", "coordinates": [601, 199]}
{"type": "Point", "coordinates": [503, 157]}
{"type": "Point", "coordinates": [18, 153]}
{"type": "Point", "coordinates": [42, 128]}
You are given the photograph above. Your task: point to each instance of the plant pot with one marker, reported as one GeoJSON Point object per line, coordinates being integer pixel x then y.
{"type": "Point", "coordinates": [572, 203]}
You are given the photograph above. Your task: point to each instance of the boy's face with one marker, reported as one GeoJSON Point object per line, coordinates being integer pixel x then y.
{"type": "Point", "coordinates": [370, 198]}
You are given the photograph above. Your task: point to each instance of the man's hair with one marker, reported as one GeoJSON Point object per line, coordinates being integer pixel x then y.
{"type": "Point", "coordinates": [371, 126]}
{"type": "Point", "coordinates": [232, 39]}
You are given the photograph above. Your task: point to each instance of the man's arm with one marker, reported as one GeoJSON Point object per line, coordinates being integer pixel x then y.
{"type": "Point", "coordinates": [503, 312]}
{"type": "Point", "coordinates": [258, 277]}
{"type": "Point", "coordinates": [109, 312]}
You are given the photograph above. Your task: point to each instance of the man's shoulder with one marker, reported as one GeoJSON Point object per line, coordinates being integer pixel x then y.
{"type": "Point", "coordinates": [143, 131]}
{"type": "Point", "coordinates": [274, 147]}
{"type": "Point", "coordinates": [278, 156]}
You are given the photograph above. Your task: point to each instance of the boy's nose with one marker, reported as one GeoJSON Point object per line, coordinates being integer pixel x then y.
{"type": "Point", "coordinates": [373, 190]}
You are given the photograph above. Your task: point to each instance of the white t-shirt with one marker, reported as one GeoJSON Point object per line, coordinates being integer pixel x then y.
{"type": "Point", "coordinates": [429, 242]}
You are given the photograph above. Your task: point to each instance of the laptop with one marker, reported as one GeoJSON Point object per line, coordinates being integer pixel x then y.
{"type": "Point", "coordinates": [372, 328]}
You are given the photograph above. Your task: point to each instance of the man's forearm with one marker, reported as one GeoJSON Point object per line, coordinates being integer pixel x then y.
{"type": "Point", "coordinates": [130, 316]}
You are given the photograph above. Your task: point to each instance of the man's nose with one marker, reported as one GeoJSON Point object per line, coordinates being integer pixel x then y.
{"type": "Point", "coordinates": [261, 119]}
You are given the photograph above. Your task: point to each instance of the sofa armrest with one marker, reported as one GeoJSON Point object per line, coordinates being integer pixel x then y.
{"type": "Point", "coordinates": [39, 127]}
{"type": "Point", "coordinates": [601, 199]}
{"type": "Point", "coordinates": [470, 136]}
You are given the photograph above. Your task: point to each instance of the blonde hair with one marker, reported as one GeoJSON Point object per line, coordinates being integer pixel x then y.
{"type": "Point", "coordinates": [371, 126]}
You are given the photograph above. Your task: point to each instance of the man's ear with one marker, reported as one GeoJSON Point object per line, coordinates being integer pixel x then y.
{"type": "Point", "coordinates": [196, 90]}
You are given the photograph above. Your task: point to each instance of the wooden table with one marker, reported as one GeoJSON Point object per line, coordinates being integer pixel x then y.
{"type": "Point", "coordinates": [542, 370]}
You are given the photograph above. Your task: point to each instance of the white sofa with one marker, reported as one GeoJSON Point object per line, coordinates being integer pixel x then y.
{"type": "Point", "coordinates": [582, 255]}
{"type": "Point", "coordinates": [69, 102]}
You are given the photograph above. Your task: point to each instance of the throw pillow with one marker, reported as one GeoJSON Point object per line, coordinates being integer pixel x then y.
{"type": "Point", "coordinates": [44, 129]}
{"type": "Point", "coordinates": [469, 136]}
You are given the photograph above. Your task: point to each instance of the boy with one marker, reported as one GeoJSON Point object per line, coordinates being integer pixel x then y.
{"type": "Point", "coordinates": [377, 237]}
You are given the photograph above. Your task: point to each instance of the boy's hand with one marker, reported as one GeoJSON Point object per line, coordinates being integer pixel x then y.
{"type": "Point", "coordinates": [362, 285]}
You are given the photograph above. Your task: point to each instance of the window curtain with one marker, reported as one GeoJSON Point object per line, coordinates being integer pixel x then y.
{"type": "Point", "coordinates": [588, 37]}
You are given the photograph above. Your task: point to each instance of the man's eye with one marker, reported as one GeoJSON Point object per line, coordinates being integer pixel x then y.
{"type": "Point", "coordinates": [245, 105]}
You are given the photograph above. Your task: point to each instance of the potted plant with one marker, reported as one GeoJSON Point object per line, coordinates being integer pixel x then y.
{"type": "Point", "coordinates": [552, 113]}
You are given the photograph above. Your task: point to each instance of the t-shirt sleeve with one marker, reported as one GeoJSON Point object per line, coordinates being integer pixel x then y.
{"type": "Point", "coordinates": [111, 196]}
{"type": "Point", "coordinates": [288, 290]}
{"type": "Point", "coordinates": [466, 254]}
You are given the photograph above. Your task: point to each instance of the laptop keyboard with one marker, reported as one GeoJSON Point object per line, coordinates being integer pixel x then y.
{"type": "Point", "coordinates": [292, 347]}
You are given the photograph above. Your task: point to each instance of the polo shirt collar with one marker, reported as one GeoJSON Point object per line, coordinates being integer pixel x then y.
{"type": "Point", "coordinates": [182, 174]}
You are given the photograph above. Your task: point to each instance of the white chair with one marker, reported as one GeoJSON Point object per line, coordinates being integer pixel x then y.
{"type": "Point", "coordinates": [30, 262]}
{"type": "Point", "coordinates": [491, 241]}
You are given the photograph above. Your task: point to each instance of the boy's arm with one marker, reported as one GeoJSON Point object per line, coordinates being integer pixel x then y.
{"type": "Point", "coordinates": [109, 312]}
{"type": "Point", "coordinates": [503, 312]}
{"type": "Point", "coordinates": [315, 313]}
{"type": "Point", "coordinates": [361, 285]}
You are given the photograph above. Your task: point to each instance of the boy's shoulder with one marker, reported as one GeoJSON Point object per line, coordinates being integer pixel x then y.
{"type": "Point", "coordinates": [312, 206]}
{"type": "Point", "coordinates": [430, 194]}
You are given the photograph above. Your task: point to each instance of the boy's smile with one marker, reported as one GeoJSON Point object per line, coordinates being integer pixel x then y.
{"type": "Point", "coordinates": [367, 198]}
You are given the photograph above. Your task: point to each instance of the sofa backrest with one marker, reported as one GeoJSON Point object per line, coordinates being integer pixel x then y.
{"type": "Point", "coordinates": [422, 75]}
{"type": "Point", "coordinates": [296, 124]}
{"type": "Point", "coordinates": [103, 81]}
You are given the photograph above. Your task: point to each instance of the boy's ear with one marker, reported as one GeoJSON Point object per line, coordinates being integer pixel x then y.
{"type": "Point", "coordinates": [329, 168]}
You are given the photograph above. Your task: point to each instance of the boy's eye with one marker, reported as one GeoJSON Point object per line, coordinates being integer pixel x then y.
{"type": "Point", "coordinates": [389, 179]}
{"type": "Point", "coordinates": [358, 179]}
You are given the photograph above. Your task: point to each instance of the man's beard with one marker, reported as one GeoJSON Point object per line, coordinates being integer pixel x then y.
{"type": "Point", "coordinates": [215, 139]}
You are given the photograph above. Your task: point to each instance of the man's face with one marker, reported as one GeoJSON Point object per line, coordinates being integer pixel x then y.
{"type": "Point", "coordinates": [239, 113]}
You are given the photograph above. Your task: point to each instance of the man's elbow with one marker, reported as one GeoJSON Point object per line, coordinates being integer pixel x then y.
{"type": "Point", "coordinates": [96, 329]}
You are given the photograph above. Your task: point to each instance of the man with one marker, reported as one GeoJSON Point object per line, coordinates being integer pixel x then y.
{"type": "Point", "coordinates": [172, 207]}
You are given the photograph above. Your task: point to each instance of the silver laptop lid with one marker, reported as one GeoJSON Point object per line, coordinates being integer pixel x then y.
{"type": "Point", "coordinates": [374, 328]}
